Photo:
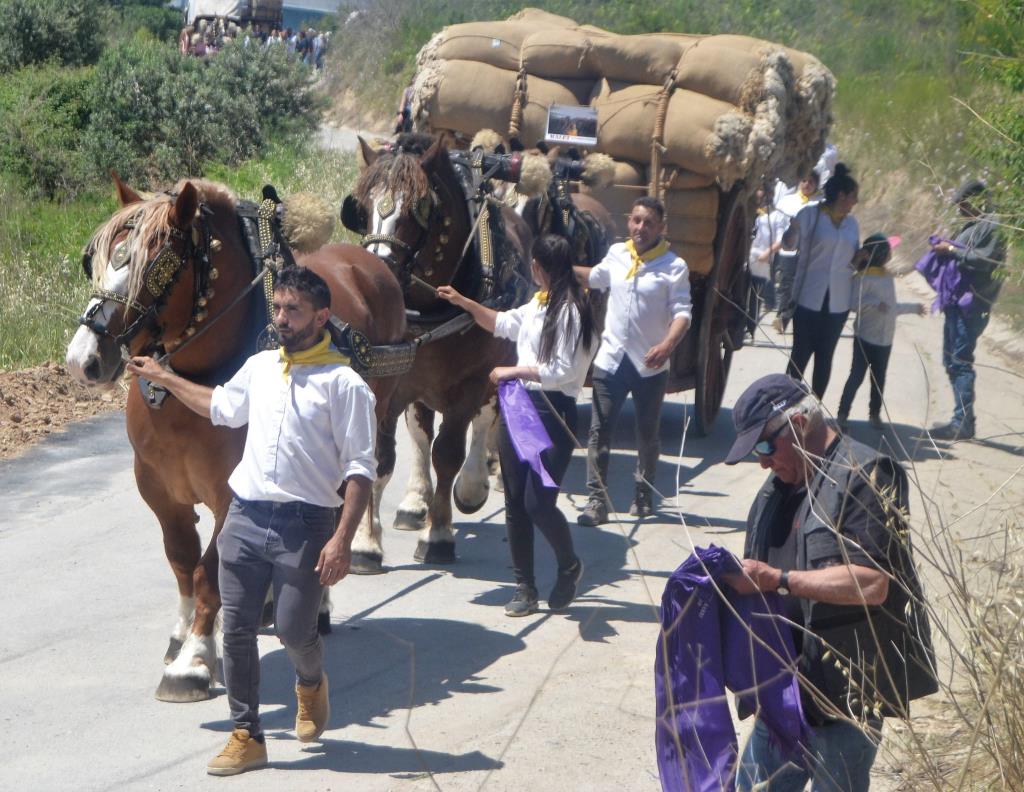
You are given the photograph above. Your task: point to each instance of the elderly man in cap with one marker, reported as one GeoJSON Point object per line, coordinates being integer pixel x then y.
{"type": "Point", "coordinates": [828, 532]}
{"type": "Point", "coordinates": [979, 250]}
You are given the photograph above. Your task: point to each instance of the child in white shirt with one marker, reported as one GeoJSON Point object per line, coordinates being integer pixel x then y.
{"type": "Point", "coordinates": [874, 300]}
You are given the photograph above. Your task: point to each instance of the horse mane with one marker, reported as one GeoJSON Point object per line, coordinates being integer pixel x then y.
{"type": "Point", "coordinates": [398, 171]}
{"type": "Point", "coordinates": [151, 227]}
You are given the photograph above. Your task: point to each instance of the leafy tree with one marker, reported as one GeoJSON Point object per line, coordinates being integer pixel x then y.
{"type": "Point", "coordinates": [36, 31]}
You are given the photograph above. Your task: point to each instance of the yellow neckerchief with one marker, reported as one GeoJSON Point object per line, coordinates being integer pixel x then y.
{"type": "Point", "coordinates": [762, 210]}
{"type": "Point", "coordinates": [804, 199]}
{"type": "Point", "coordinates": [542, 297]}
{"type": "Point", "coordinates": [319, 354]}
{"type": "Point", "coordinates": [831, 215]}
{"type": "Point", "coordinates": [639, 259]}
{"type": "Point", "coordinates": [880, 270]}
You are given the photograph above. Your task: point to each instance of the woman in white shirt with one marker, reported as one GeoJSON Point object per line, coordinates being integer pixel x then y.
{"type": "Point", "coordinates": [554, 335]}
{"type": "Point", "coordinates": [827, 236]}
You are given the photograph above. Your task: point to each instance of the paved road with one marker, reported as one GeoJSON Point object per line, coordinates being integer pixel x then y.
{"type": "Point", "coordinates": [432, 687]}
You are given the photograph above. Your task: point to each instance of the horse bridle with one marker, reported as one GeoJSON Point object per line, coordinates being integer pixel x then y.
{"type": "Point", "coordinates": [160, 274]}
{"type": "Point", "coordinates": [423, 212]}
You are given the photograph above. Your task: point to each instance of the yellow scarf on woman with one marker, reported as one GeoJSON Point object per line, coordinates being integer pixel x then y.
{"type": "Point", "coordinates": [542, 297]}
{"type": "Point", "coordinates": [639, 259]}
{"type": "Point", "coordinates": [320, 354]}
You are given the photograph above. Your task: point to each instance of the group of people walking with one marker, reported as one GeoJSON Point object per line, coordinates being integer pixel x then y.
{"type": "Point", "coordinates": [826, 533]}
{"type": "Point", "coordinates": [206, 37]}
{"type": "Point", "coordinates": [807, 263]}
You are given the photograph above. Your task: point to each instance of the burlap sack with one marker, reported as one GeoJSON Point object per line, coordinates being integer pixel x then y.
{"type": "Point", "coordinates": [630, 183]}
{"type": "Point", "coordinates": [691, 230]}
{"type": "Point", "coordinates": [644, 59]}
{"type": "Point", "coordinates": [692, 203]}
{"type": "Point", "coordinates": [688, 126]}
{"type": "Point", "coordinates": [625, 119]}
{"type": "Point", "coordinates": [541, 19]}
{"type": "Point", "coordinates": [497, 44]}
{"type": "Point", "coordinates": [557, 53]}
{"type": "Point", "coordinates": [676, 178]}
{"type": "Point", "coordinates": [722, 67]}
{"type": "Point", "coordinates": [699, 258]}
{"type": "Point", "coordinates": [459, 104]}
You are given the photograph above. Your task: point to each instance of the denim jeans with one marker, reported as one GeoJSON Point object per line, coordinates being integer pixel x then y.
{"type": "Point", "coordinates": [959, 338]}
{"type": "Point", "coordinates": [841, 756]}
{"type": "Point", "coordinates": [264, 544]}
{"type": "Point", "coordinates": [610, 391]}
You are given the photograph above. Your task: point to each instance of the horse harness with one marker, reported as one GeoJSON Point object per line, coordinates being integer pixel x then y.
{"type": "Point", "coordinates": [268, 251]}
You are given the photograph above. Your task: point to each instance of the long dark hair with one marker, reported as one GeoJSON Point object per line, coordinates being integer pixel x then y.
{"type": "Point", "coordinates": [554, 256]}
{"type": "Point", "coordinates": [841, 182]}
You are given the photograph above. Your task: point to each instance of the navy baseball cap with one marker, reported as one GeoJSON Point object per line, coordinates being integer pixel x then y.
{"type": "Point", "coordinates": [760, 402]}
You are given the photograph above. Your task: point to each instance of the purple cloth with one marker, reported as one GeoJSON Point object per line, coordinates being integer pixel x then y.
{"type": "Point", "coordinates": [702, 650]}
{"type": "Point", "coordinates": [943, 274]}
{"type": "Point", "coordinates": [526, 431]}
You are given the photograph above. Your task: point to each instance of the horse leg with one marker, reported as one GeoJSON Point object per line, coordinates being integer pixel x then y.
{"type": "Point", "coordinates": [190, 675]}
{"type": "Point", "coordinates": [472, 485]}
{"type": "Point", "coordinates": [493, 463]}
{"type": "Point", "coordinates": [436, 543]}
{"type": "Point", "coordinates": [367, 545]}
{"type": "Point", "coordinates": [412, 511]}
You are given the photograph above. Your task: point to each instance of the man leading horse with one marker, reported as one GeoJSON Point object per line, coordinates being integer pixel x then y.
{"type": "Point", "coordinates": [309, 450]}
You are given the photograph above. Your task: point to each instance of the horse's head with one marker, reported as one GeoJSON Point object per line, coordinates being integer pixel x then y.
{"type": "Point", "coordinates": [409, 207]}
{"type": "Point", "coordinates": [150, 267]}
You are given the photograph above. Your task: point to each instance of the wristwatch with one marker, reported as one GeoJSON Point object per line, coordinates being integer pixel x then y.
{"type": "Point", "coordinates": [783, 587]}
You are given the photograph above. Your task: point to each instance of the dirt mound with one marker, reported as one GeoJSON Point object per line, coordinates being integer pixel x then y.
{"type": "Point", "coordinates": [38, 401]}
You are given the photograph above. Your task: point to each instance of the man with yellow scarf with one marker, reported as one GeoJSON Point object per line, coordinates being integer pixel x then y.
{"type": "Point", "coordinates": [648, 315]}
{"type": "Point", "coordinates": [311, 433]}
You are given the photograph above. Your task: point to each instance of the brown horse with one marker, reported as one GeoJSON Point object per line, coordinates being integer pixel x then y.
{"type": "Point", "coordinates": [417, 206]}
{"type": "Point", "coordinates": [161, 268]}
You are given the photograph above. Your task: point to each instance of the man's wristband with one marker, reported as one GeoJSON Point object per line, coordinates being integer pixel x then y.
{"type": "Point", "coordinates": [783, 587]}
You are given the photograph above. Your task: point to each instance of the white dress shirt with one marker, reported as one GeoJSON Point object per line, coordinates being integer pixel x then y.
{"type": "Point", "coordinates": [641, 308]}
{"type": "Point", "coordinates": [567, 369]}
{"type": "Point", "coordinates": [768, 230]}
{"type": "Point", "coordinates": [307, 432]}
{"type": "Point", "coordinates": [823, 260]}
{"type": "Point", "coordinates": [874, 300]}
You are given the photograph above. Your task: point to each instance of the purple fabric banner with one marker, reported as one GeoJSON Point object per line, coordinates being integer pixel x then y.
{"type": "Point", "coordinates": [529, 437]}
{"type": "Point", "coordinates": [705, 649]}
{"type": "Point", "coordinates": [943, 274]}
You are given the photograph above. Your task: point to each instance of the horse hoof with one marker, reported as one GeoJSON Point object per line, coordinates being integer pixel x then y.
{"type": "Point", "coordinates": [468, 508]}
{"type": "Point", "coordinates": [323, 623]}
{"type": "Point", "coordinates": [435, 552]}
{"type": "Point", "coordinates": [184, 689]}
{"type": "Point", "coordinates": [173, 648]}
{"type": "Point", "coordinates": [406, 520]}
{"type": "Point", "coordinates": [366, 564]}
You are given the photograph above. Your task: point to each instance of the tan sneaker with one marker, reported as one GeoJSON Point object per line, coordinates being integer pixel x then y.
{"type": "Point", "coordinates": [313, 710]}
{"type": "Point", "coordinates": [240, 754]}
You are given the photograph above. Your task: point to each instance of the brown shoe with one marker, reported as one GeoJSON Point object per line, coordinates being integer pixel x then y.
{"type": "Point", "coordinates": [313, 710]}
{"type": "Point", "coordinates": [240, 754]}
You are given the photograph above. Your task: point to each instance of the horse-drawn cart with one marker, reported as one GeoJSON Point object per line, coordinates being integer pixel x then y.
{"type": "Point", "coordinates": [697, 121]}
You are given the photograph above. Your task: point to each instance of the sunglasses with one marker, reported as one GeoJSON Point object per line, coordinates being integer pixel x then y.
{"type": "Point", "coordinates": [766, 447]}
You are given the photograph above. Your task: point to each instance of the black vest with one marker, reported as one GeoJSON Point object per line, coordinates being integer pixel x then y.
{"type": "Point", "coordinates": [864, 661]}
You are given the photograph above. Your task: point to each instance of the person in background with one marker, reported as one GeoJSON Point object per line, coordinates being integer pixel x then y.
{"type": "Point", "coordinates": [554, 335]}
{"type": "Point", "coordinates": [979, 250]}
{"type": "Point", "coordinates": [825, 236]}
{"type": "Point", "coordinates": [874, 301]}
{"type": "Point", "coordinates": [828, 532]}
{"type": "Point", "coordinates": [648, 314]}
{"type": "Point", "coordinates": [826, 165]}
{"type": "Point", "coordinates": [784, 263]}
{"type": "Point", "coordinates": [769, 227]}
{"type": "Point", "coordinates": [309, 451]}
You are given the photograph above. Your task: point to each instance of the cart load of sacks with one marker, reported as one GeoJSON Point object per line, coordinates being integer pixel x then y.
{"type": "Point", "coordinates": [685, 117]}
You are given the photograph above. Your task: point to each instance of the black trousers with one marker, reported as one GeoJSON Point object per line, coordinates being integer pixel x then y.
{"type": "Point", "coordinates": [815, 333]}
{"type": "Point", "coordinates": [528, 503]}
{"type": "Point", "coordinates": [866, 357]}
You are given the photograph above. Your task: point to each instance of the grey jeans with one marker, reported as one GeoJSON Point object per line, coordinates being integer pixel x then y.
{"type": "Point", "coordinates": [610, 391]}
{"type": "Point", "coordinates": [264, 544]}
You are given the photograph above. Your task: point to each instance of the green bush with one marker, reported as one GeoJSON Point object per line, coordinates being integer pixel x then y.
{"type": "Point", "coordinates": [36, 31]}
{"type": "Point", "coordinates": [160, 115]}
{"type": "Point", "coordinates": [43, 113]}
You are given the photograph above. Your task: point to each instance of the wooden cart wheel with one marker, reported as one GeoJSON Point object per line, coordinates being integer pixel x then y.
{"type": "Point", "coordinates": [722, 314]}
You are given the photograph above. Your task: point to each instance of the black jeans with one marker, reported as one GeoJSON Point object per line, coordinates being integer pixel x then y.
{"type": "Point", "coordinates": [610, 391]}
{"type": "Point", "coordinates": [866, 356]}
{"type": "Point", "coordinates": [815, 333]}
{"type": "Point", "coordinates": [528, 502]}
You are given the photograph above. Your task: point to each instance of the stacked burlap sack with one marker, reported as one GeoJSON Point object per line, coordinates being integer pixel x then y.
{"type": "Point", "coordinates": [684, 116]}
